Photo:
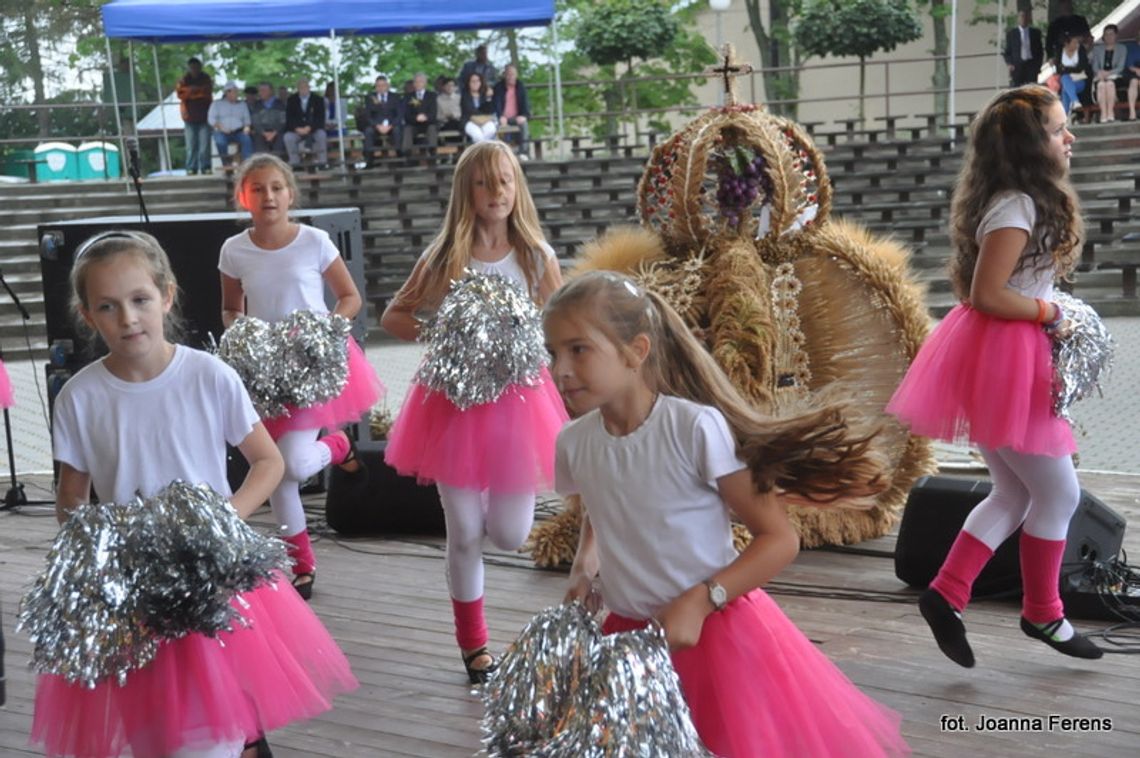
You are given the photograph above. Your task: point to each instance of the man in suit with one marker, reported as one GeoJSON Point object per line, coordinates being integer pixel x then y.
{"type": "Point", "coordinates": [420, 115]}
{"type": "Point", "coordinates": [1023, 53]}
{"type": "Point", "coordinates": [305, 123]}
{"type": "Point", "coordinates": [384, 119]}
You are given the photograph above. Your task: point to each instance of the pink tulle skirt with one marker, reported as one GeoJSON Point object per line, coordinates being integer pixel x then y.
{"type": "Point", "coordinates": [362, 390]}
{"type": "Point", "coordinates": [505, 446]}
{"type": "Point", "coordinates": [985, 380]}
{"type": "Point", "coordinates": [200, 691]}
{"type": "Point", "coordinates": [756, 686]}
{"type": "Point", "coordinates": [6, 397]}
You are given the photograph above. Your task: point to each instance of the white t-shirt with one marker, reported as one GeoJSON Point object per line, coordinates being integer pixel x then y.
{"type": "Point", "coordinates": [659, 521]}
{"type": "Point", "coordinates": [140, 436]}
{"type": "Point", "coordinates": [278, 282]}
{"type": "Point", "coordinates": [509, 267]}
{"type": "Point", "coordinates": [1016, 210]}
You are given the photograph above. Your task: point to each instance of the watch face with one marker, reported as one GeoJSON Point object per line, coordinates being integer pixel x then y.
{"type": "Point", "coordinates": [718, 595]}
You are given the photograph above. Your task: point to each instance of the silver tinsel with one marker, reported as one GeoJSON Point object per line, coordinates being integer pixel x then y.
{"type": "Point", "coordinates": [486, 336]}
{"type": "Point", "coordinates": [1082, 354]}
{"type": "Point", "coordinates": [299, 361]}
{"type": "Point", "coordinates": [122, 577]}
{"type": "Point", "coordinates": [564, 689]}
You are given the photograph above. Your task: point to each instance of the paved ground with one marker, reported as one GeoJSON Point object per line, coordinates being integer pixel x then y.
{"type": "Point", "coordinates": [1111, 423]}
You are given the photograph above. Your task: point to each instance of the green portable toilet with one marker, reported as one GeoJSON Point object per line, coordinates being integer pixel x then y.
{"type": "Point", "coordinates": [99, 160]}
{"type": "Point", "coordinates": [16, 163]}
{"type": "Point", "coordinates": [59, 162]}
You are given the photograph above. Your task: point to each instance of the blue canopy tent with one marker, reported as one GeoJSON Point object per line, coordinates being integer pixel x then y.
{"type": "Point", "coordinates": [159, 21]}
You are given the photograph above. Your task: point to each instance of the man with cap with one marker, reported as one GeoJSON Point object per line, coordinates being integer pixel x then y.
{"type": "Point", "coordinates": [196, 92]}
{"type": "Point", "coordinates": [230, 119]}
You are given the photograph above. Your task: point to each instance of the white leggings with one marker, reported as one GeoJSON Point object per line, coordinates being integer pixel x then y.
{"type": "Point", "coordinates": [470, 514]}
{"type": "Point", "coordinates": [304, 456]}
{"type": "Point", "coordinates": [1035, 490]}
{"type": "Point", "coordinates": [481, 132]}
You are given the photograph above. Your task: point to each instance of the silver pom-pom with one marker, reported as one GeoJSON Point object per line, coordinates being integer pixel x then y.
{"type": "Point", "coordinates": [82, 614]}
{"type": "Point", "coordinates": [565, 689]}
{"type": "Point", "coordinates": [1082, 354]}
{"type": "Point", "coordinates": [297, 362]}
{"type": "Point", "coordinates": [194, 553]}
{"type": "Point", "coordinates": [120, 578]}
{"type": "Point", "coordinates": [485, 337]}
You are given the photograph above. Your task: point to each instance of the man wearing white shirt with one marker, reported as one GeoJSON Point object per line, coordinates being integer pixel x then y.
{"type": "Point", "coordinates": [1023, 53]}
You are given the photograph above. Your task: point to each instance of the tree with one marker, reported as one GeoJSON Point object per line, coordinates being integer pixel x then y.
{"type": "Point", "coordinates": [778, 51]}
{"type": "Point", "coordinates": [618, 32]}
{"type": "Point", "coordinates": [855, 27]}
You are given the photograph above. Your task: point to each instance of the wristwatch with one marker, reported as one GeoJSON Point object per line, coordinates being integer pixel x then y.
{"type": "Point", "coordinates": [718, 596]}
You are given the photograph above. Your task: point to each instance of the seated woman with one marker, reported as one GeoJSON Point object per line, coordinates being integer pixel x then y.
{"type": "Point", "coordinates": [1073, 65]}
{"type": "Point", "coordinates": [1108, 59]}
{"type": "Point", "coordinates": [478, 111]}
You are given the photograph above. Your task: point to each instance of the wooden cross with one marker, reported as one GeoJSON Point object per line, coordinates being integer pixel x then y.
{"type": "Point", "coordinates": [729, 69]}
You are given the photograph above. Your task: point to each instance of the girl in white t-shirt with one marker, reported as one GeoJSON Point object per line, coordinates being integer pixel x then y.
{"type": "Point", "coordinates": [656, 456]}
{"type": "Point", "coordinates": [985, 375]}
{"type": "Point", "coordinates": [269, 271]}
{"type": "Point", "coordinates": [488, 460]}
{"type": "Point", "coordinates": [146, 414]}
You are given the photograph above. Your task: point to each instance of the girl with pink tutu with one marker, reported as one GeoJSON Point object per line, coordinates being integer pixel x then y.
{"type": "Point", "coordinates": [268, 271]}
{"type": "Point", "coordinates": [655, 454]}
{"type": "Point", "coordinates": [487, 460]}
{"type": "Point", "coordinates": [7, 399]}
{"type": "Point", "coordinates": [146, 414]}
{"type": "Point", "coordinates": [986, 373]}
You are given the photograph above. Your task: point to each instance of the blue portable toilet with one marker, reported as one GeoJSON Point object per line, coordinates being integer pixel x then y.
{"type": "Point", "coordinates": [58, 162]}
{"type": "Point", "coordinates": [99, 160]}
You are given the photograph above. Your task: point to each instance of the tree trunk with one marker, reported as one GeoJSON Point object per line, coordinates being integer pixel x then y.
{"type": "Point", "coordinates": [939, 10]}
{"type": "Point", "coordinates": [513, 46]}
{"type": "Point", "coordinates": [862, 86]}
{"type": "Point", "coordinates": [36, 69]}
{"type": "Point", "coordinates": [778, 85]}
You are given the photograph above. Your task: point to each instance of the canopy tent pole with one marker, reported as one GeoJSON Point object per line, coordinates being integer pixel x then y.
{"type": "Point", "coordinates": [558, 86]}
{"type": "Point", "coordinates": [340, 128]}
{"type": "Point", "coordinates": [161, 110]}
{"type": "Point", "coordinates": [953, 66]}
{"type": "Point", "coordinates": [118, 120]}
{"type": "Point", "coordinates": [999, 61]}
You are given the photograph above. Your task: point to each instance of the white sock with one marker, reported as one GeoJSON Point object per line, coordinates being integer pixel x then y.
{"type": "Point", "coordinates": [1064, 632]}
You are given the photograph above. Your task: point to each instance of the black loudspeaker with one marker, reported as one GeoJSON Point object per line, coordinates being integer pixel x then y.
{"type": "Point", "coordinates": [382, 502]}
{"type": "Point", "coordinates": [937, 507]}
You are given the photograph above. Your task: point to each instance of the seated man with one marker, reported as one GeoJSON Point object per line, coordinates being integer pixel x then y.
{"type": "Point", "coordinates": [384, 119]}
{"type": "Point", "coordinates": [513, 107]}
{"type": "Point", "coordinates": [231, 122]}
{"type": "Point", "coordinates": [268, 118]}
{"type": "Point", "coordinates": [419, 115]}
{"type": "Point", "coordinates": [305, 118]}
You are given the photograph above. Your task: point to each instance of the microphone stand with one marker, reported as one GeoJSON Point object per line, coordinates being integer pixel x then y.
{"type": "Point", "coordinates": [15, 495]}
{"type": "Point", "coordinates": [133, 170]}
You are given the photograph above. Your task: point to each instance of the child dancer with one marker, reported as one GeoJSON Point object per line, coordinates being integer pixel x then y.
{"type": "Point", "coordinates": [985, 374]}
{"type": "Point", "coordinates": [146, 414]}
{"type": "Point", "coordinates": [491, 226]}
{"type": "Point", "coordinates": [655, 455]}
{"type": "Point", "coordinates": [280, 267]}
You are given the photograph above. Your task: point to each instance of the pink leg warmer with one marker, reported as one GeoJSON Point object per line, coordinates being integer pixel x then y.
{"type": "Point", "coordinates": [968, 556]}
{"type": "Point", "coordinates": [1040, 577]}
{"type": "Point", "coordinates": [470, 624]}
{"type": "Point", "coordinates": [301, 550]}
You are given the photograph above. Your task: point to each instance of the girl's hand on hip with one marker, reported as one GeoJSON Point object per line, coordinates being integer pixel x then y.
{"type": "Point", "coordinates": [684, 618]}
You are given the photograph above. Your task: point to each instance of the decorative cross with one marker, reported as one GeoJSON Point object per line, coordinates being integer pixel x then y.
{"type": "Point", "coordinates": [729, 69]}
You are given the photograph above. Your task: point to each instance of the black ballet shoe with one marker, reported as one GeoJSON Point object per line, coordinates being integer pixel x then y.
{"type": "Point", "coordinates": [1078, 646]}
{"type": "Point", "coordinates": [262, 746]}
{"type": "Point", "coordinates": [480, 675]}
{"type": "Point", "coordinates": [949, 631]}
{"type": "Point", "coordinates": [303, 583]}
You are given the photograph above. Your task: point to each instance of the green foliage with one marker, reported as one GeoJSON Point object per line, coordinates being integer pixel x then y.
{"type": "Point", "coordinates": [622, 30]}
{"type": "Point", "coordinates": [859, 28]}
{"type": "Point", "coordinates": [985, 12]}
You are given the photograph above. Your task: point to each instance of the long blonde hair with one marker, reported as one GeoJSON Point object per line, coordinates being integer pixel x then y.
{"type": "Point", "coordinates": [450, 252]}
{"type": "Point", "coordinates": [1009, 151]}
{"type": "Point", "coordinates": [813, 452]}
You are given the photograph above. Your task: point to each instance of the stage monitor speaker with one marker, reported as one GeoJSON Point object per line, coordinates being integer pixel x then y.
{"type": "Point", "coordinates": [193, 241]}
{"type": "Point", "coordinates": [382, 502]}
{"type": "Point", "coordinates": [937, 507]}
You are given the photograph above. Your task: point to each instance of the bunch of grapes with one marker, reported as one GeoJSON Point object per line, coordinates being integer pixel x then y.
{"type": "Point", "coordinates": [741, 179]}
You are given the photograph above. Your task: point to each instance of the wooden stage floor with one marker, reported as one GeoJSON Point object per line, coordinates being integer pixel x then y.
{"type": "Point", "coordinates": [385, 602]}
